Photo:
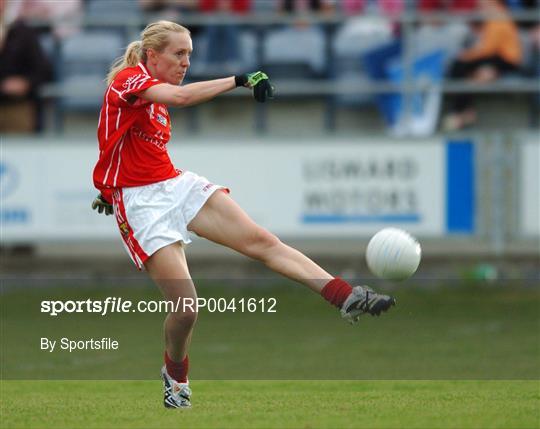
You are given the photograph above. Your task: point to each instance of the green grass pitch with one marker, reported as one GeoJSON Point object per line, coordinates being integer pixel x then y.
{"type": "Point", "coordinates": [274, 404]}
{"type": "Point", "coordinates": [456, 356]}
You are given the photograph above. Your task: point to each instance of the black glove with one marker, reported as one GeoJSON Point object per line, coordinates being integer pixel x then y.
{"type": "Point", "coordinates": [102, 205]}
{"type": "Point", "coordinates": [262, 88]}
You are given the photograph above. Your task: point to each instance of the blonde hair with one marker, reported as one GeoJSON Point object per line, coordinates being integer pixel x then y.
{"type": "Point", "coordinates": [154, 36]}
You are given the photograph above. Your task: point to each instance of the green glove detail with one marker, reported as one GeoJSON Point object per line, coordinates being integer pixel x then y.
{"type": "Point", "coordinates": [254, 78]}
{"type": "Point", "coordinates": [262, 88]}
{"type": "Point", "coordinates": [102, 205]}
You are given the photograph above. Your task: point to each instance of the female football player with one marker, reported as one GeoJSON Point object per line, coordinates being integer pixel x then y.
{"type": "Point", "coordinates": [156, 205]}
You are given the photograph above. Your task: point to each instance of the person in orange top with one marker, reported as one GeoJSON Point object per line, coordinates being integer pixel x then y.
{"type": "Point", "coordinates": [497, 51]}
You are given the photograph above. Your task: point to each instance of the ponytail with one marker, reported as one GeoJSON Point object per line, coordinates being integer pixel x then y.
{"type": "Point", "coordinates": [131, 58]}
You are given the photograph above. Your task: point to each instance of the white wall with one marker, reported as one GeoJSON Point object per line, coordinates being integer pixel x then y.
{"type": "Point", "coordinates": [324, 188]}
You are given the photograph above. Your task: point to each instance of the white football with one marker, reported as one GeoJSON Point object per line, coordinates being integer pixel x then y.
{"type": "Point", "coordinates": [393, 254]}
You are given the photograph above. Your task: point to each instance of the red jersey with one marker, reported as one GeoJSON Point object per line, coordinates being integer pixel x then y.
{"type": "Point", "coordinates": [133, 134]}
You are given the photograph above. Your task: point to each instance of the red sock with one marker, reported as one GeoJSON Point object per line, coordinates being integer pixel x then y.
{"type": "Point", "coordinates": [336, 291]}
{"type": "Point", "coordinates": [177, 370]}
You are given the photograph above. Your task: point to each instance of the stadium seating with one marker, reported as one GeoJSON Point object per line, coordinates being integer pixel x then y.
{"type": "Point", "coordinates": [200, 68]}
{"type": "Point", "coordinates": [292, 52]}
{"type": "Point", "coordinates": [83, 66]}
{"type": "Point", "coordinates": [112, 9]}
{"type": "Point", "coordinates": [302, 52]}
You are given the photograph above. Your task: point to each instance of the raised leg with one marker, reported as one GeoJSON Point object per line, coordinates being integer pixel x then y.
{"type": "Point", "coordinates": [223, 221]}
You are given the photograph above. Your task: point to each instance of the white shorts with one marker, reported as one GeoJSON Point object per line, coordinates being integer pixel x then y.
{"type": "Point", "coordinates": [153, 216]}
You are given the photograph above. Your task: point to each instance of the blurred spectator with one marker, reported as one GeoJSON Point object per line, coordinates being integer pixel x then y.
{"type": "Point", "coordinates": [306, 6]}
{"type": "Point", "coordinates": [223, 39]}
{"type": "Point", "coordinates": [535, 37]}
{"type": "Point", "coordinates": [173, 6]}
{"type": "Point", "coordinates": [172, 10]}
{"type": "Point", "coordinates": [533, 29]}
{"type": "Point", "coordinates": [390, 8]}
{"type": "Point", "coordinates": [23, 67]}
{"type": "Point", "coordinates": [9, 12]}
{"type": "Point", "coordinates": [455, 6]}
{"type": "Point", "coordinates": [497, 51]}
{"type": "Point", "coordinates": [64, 16]}
{"type": "Point", "coordinates": [534, 5]}
{"type": "Point", "coordinates": [225, 6]}
{"type": "Point", "coordinates": [528, 6]}
{"type": "Point", "coordinates": [169, 9]}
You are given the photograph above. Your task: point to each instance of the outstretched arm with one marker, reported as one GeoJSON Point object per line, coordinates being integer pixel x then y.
{"type": "Point", "coordinates": [199, 92]}
{"type": "Point", "coordinates": [188, 95]}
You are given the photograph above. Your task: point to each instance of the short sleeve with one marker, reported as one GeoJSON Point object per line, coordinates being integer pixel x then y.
{"type": "Point", "coordinates": [128, 84]}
